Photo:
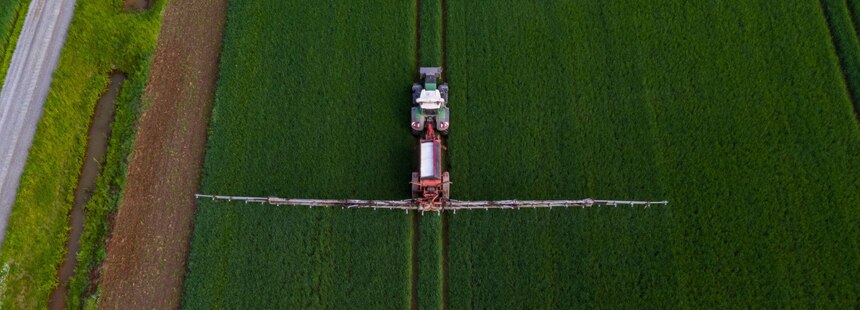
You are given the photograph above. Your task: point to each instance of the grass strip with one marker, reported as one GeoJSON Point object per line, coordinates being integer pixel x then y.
{"type": "Point", "coordinates": [101, 39]}
{"type": "Point", "coordinates": [12, 13]}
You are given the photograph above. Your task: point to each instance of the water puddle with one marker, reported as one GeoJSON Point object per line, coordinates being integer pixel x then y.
{"type": "Point", "coordinates": [137, 5]}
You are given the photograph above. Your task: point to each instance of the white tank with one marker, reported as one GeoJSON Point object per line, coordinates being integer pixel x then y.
{"type": "Point", "coordinates": [430, 160]}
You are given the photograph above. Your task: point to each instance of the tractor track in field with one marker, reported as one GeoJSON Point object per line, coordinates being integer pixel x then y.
{"type": "Point", "coordinates": [846, 79]}
{"type": "Point", "coordinates": [445, 234]}
{"type": "Point", "coordinates": [415, 221]}
{"type": "Point", "coordinates": [444, 220]}
{"type": "Point", "coordinates": [850, 4]}
{"type": "Point", "coordinates": [413, 277]}
{"type": "Point", "coordinates": [444, 34]}
{"type": "Point", "coordinates": [148, 246]}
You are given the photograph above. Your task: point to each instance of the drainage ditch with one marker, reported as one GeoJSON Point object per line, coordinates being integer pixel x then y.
{"type": "Point", "coordinates": [97, 144]}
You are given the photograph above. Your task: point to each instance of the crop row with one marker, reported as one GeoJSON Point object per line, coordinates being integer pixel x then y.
{"type": "Point", "coordinates": [734, 112]}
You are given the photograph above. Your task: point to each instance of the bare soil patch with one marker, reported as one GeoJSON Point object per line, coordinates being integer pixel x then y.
{"type": "Point", "coordinates": [149, 243]}
{"type": "Point", "coordinates": [97, 144]}
{"type": "Point", "coordinates": [137, 5]}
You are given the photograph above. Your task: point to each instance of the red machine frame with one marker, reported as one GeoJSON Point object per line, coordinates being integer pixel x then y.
{"type": "Point", "coordinates": [431, 193]}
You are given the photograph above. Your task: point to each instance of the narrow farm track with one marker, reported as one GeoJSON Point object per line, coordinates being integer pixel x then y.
{"type": "Point", "coordinates": [149, 245]}
{"type": "Point", "coordinates": [445, 240]}
{"type": "Point", "coordinates": [445, 216]}
{"type": "Point", "coordinates": [852, 13]}
{"type": "Point", "coordinates": [428, 249]}
{"type": "Point", "coordinates": [25, 90]}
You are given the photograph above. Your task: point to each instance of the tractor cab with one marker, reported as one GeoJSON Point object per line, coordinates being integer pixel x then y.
{"type": "Point", "coordinates": [430, 102]}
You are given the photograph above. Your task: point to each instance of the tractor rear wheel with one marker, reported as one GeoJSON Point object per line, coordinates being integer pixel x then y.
{"type": "Point", "coordinates": [416, 189]}
{"type": "Point", "coordinates": [446, 185]}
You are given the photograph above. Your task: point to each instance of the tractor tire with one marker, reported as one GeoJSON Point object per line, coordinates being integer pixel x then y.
{"type": "Point", "coordinates": [446, 185]}
{"type": "Point", "coordinates": [416, 190]}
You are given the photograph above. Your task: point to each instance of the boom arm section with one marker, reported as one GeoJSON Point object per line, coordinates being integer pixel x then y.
{"type": "Point", "coordinates": [449, 205]}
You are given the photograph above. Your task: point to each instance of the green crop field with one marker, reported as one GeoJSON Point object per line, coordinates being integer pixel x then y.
{"type": "Point", "coordinates": [311, 103]}
{"type": "Point", "coordinates": [739, 114]}
{"type": "Point", "coordinates": [736, 112]}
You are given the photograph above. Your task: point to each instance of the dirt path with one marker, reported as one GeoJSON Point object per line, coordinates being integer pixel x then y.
{"type": "Point", "coordinates": [25, 90]}
{"type": "Point", "coordinates": [97, 145]}
{"type": "Point", "coordinates": [149, 244]}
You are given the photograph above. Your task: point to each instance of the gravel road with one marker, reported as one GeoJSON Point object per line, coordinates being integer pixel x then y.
{"type": "Point", "coordinates": [25, 89]}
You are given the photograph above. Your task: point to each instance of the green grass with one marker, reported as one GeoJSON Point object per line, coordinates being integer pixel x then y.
{"type": "Point", "coordinates": [12, 13]}
{"type": "Point", "coordinates": [312, 102]}
{"type": "Point", "coordinates": [101, 39]}
{"type": "Point", "coordinates": [735, 112]}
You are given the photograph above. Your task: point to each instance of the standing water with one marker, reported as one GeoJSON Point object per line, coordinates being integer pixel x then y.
{"type": "Point", "coordinates": [97, 143]}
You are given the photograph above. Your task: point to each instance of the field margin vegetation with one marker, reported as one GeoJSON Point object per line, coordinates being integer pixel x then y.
{"type": "Point", "coordinates": [12, 16]}
{"type": "Point", "coordinates": [102, 39]}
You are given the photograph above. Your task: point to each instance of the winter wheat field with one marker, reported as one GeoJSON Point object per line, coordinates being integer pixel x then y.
{"type": "Point", "coordinates": [741, 114]}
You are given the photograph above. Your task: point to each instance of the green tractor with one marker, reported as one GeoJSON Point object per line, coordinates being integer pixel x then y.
{"type": "Point", "coordinates": [430, 102]}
